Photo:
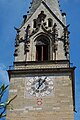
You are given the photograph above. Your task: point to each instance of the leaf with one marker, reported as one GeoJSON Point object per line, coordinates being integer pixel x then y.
{"type": "Point", "coordinates": [8, 102]}
{"type": "Point", "coordinates": [3, 88]}
{"type": "Point", "coordinates": [3, 115]}
{"type": "Point", "coordinates": [3, 105]}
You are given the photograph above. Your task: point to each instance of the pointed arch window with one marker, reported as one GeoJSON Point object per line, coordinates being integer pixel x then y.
{"type": "Point", "coordinates": [42, 49]}
{"type": "Point", "coordinates": [34, 23]}
{"type": "Point", "coordinates": [50, 22]}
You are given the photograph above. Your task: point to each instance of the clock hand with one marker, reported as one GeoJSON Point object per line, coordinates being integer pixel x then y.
{"type": "Point", "coordinates": [41, 82]}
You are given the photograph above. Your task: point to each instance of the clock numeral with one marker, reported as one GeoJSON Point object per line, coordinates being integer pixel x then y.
{"type": "Point", "coordinates": [50, 87]}
{"type": "Point", "coordinates": [29, 83]}
{"type": "Point", "coordinates": [50, 83]}
{"type": "Point", "coordinates": [48, 92]}
{"type": "Point", "coordinates": [28, 88]}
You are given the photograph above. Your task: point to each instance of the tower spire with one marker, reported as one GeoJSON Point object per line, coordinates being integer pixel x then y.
{"type": "Point", "coordinates": [52, 4]}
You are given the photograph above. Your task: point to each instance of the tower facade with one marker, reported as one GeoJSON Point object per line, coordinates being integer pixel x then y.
{"type": "Point", "coordinates": [42, 77]}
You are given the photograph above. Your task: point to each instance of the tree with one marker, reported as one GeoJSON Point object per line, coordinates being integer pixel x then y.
{"type": "Point", "coordinates": [3, 105]}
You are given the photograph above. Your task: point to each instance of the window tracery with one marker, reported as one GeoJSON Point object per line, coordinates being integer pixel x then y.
{"type": "Point", "coordinates": [50, 22]}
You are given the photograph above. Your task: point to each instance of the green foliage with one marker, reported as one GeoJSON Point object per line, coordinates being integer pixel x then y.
{"type": "Point", "coordinates": [3, 105]}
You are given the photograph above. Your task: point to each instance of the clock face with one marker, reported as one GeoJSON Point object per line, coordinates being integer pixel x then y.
{"type": "Point", "coordinates": [39, 86]}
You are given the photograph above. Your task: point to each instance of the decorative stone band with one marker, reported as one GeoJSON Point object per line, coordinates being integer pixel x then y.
{"type": "Point", "coordinates": [41, 64]}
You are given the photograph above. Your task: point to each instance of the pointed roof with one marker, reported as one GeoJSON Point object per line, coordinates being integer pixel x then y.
{"type": "Point", "coordinates": [52, 4]}
{"type": "Point", "coordinates": [35, 5]}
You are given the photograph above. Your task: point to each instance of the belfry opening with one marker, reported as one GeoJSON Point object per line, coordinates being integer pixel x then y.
{"type": "Point", "coordinates": [42, 48]}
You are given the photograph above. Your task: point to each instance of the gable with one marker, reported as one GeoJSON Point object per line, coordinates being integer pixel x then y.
{"type": "Point", "coordinates": [56, 17]}
{"type": "Point", "coordinates": [43, 6]}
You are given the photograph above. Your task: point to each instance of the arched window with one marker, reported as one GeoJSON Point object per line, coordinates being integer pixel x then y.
{"type": "Point", "coordinates": [42, 49]}
{"type": "Point", "coordinates": [34, 23]}
{"type": "Point", "coordinates": [50, 22]}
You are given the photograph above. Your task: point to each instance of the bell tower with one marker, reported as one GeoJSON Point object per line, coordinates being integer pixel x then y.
{"type": "Point", "coordinates": [42, 77]}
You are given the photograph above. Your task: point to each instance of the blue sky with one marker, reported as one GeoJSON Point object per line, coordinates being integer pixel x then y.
{"type": "Point", "coordinates": [11, 14]}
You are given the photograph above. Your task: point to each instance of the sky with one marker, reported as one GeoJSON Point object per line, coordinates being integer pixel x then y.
{"type": "Point", "coordinates": [11, 14]}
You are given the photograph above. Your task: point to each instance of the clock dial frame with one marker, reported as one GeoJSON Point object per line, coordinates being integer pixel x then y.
{"type": "Point", "coordinates": [40, 86]}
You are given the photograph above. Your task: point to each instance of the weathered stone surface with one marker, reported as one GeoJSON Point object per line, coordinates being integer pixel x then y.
{"type": "Point", "coordinates": [44, 88]}
{"type": "Point", "coordinates": [58, 105]}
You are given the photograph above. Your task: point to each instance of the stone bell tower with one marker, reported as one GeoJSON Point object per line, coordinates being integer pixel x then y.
{"type": "Point", "coordinates": [42, 77]}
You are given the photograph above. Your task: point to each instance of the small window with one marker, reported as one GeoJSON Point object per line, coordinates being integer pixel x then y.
{"type": "Point", "coordinates": [34, 23]}
{"type": "Point", "coordinates": [50, 22]}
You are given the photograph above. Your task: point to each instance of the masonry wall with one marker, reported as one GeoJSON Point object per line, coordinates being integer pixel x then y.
{"type": "Point", "coordinates": [56, 106]}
